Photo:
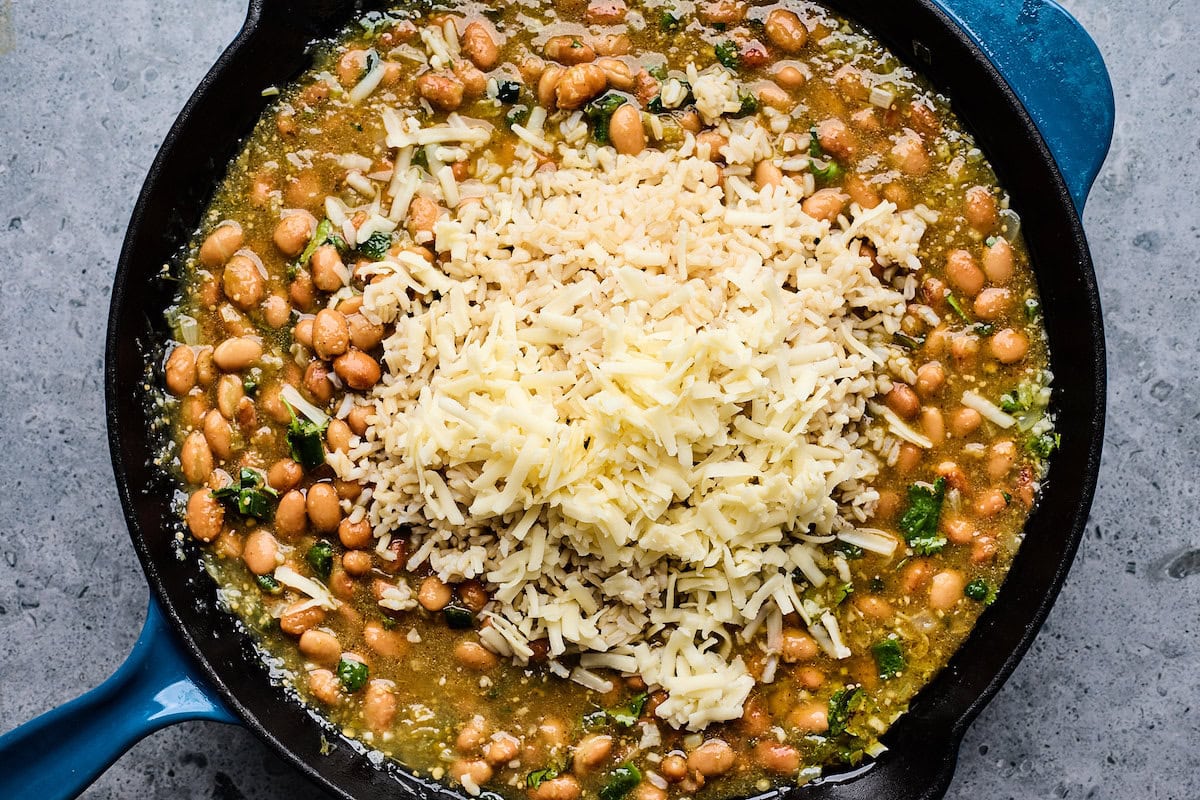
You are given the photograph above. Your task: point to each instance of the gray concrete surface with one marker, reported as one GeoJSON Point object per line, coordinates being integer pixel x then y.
{"type": "Point", "coordinates": [1104, 706]}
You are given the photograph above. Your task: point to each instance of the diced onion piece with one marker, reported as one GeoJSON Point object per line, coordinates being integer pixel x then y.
{"type": "Point", "coordinates": [297, 401]}
{"type": "Point", "coordinates": [189, 330]}
{"type": "Point", "coordinates": [987, 409]}
{"type": "Point", "coordinates": [289, 577]}
{"type": "Point", "coordinates": [370, 82]}
{"type": "Point", "coordinates": [882, 97]}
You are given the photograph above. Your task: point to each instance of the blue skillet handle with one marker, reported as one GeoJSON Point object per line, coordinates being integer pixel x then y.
{"type": "Point", "coordinates": [1056, 70]}
{"type": "Point", "coordinates": [59, 754]}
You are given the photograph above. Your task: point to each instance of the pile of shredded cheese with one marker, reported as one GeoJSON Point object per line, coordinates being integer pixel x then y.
{"type": "Point", "coordinates": [632, 397]}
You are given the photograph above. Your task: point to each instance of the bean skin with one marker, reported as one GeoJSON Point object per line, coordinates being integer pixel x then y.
{"type": "Point", "coordinates": [389, 644]}
{"type": "Point", "coordinates": [330, 334]}
{"type": "Point", "coordinates": [590, 752]}
{"type": "Point", "coordinates": [443, 92]}
{"type": "Point", "coordinates": [980, 210]}
{"type": "Point", "coordinates": [295, 621]}
{"type": "Point", "coordinates": [777, 757]}
{"type": "Point", "coordinates": [785, 30]}
{"type": "Point", "coordinates": [325, 686]}
{"type": "Point", "coordinates": [218, 434]}
{"type": "Point", "coordinates": [219, 245]}
{"type": "Point", "coordinates": [357, 369]}
{"type": "Point", "coordinates": [180, 370]}
{"type": "Point", "coordinates": [243, 282]}
{"type": "Point", "coordinates": [825, 204]}
{"type": "Point", "coordinates": [810, 718]}
{"type": "Point", "coordinates": [946, 589]}
{"type": "Point", "coordinates": [568, 50]}
{"type": "Point", "coordinates": [626, 131]}
{"type": "Point", "coordinates": [293, 232]}
{"type": "Point", "coordinates": [379, 705]}
{"type": "Point", "coordinates": [564, 787]}
{"type": "Point", "coordinates": [195, 458]}
{"type": "Point", "coordinates": [1009, 345]}
{"type": "Point", "coordinates": [355, 535]}
{"type": "Point", "coordinates": [291, 515]}
{"type": "Point", "coordinates": [327, 268]}
{"type": "Point", "coordinates": [284, 475]}
{"type": "Point", "coordinates": [433, 594]}
{"type": "Point", "coordinates": [237, 354]}
{"type": "Point", "coordinates": [364, 335]}
{"type": "Point", "coordinates": [797, 646]}
{"type": "Point", "coordinates": [323, 509]}
{"type": "Point", "coordinates": [714, 757]}
{"type": "Point", "coordinates": [260, 551]}
{"type": "Point", "coordinates": [474, 656]}
{"type": "Point", "coordinates": [578, 85]}
{"type": "Point", "coordinates": [321, 647]}
{"type": "Point", "coordinates": [205, 515]}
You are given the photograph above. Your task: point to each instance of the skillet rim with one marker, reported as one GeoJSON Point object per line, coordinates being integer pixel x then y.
{"type": "Point", "coordinates": [939, 770]}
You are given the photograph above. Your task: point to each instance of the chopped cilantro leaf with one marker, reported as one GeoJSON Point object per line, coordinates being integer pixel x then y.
{"type": "Point", "coordinates": [658, 71]}
{"type": "Point", "coordinates": [620, 782]}
{"type": "Point", "coordinates": [727, 53]}
{"type": "Point", "coordinates": [250, 496]}
{"type": "Point", "coordinates": [889, 658]}
{"type": "Point", "coordinates": [749, 105]}
{"type": "Point", "coordinates": [842, 704]}
{"type": "Point", "coordinates": [1045, 444]}
{"type": "Point", "coordinates": [304, 439]}
{"type": "Point", "coordinates": [268, 584]}
{"type": "Point", "coordinates": [600, 112]}
{"type": "Point", "coordinates": [459, 618]}
{"type": "Point", "coordinates": [352, 674]}
{"type": "Point", "coordinates": [981, 591]}
{"type": "Point", "coordinates": [920, 521]}
{"type": "Point", "coordinates": [850, 551]}
{"type": "Point", "coordinates": [320, 558]}
{"type": "Point", "coordinates": [1033, 309]}
{"type": "Point", "coordinates": [376, 245]}
{"type": "Point", "coordinates": [540, 776]}
{"type": "Point", "coordinates": [911, 342]}
{"type": "Point", "coordinates": [628, 714]}
{"type": "Point", "coordinates": [843, 591]}
{"type": "Point", "coordinates": [518, 115]}
{"type": "Point", "coordinates": [669, 19]}
{"type": "Point", "coordinates": [958, 308]}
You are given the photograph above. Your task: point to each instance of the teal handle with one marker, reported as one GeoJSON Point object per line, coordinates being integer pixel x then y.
{"type": "Point", "coordinates": [1056, 71]}
{"type": "Point", "coordinates": [59, 754]}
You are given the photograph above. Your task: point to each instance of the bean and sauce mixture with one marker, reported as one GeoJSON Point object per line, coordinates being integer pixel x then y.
{"type": "Point", "coordinates": [269, 328]}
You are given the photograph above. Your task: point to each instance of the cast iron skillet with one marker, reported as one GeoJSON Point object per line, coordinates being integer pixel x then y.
{"type": "Point", "coordinates": [1046, 147]}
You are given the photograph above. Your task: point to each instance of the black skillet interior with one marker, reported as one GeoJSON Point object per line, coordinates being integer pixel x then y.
{"type": "Point", "coordinates": [271, 50]}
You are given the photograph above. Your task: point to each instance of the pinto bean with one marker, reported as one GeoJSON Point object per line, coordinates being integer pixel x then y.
{"type": "Point", "coordinates": [874, 606]}
{"type": "Point", "coordinates": [219, 245]}
{"type": "Point", "coordinates": [785, 30]}
{"type": "Point", "coordinates": [444, 92]}
{"type": "Point", "coordinates": [389, 644]}
{"type": "Point", "coordinates": [364, 334]}
{"type": "Point", "coordinates": [244, 282]}
{"type": "Point", "coordinates": [777, 757]}
{"type": "Point", "coordinates": [296, 620]}
{"type": "Point", "coordinates": [547, 87]}
{"type": "Point", "coordinates": [810, 717]}
{"type": "Point", "coordinates": [218, 434]}
{"type": "Point", "coordinates": [564, 787]}
{"type": "Point", "coordinates": [276, 310]}
{"type": "Point", "coordinates": [434, 595]}
{"type": "Point", "coordinates": [291, 515]}
{"type": "Point", "coordinates": [355, 535]}
{"type": "Point", "coordinates": [980, 209]}
{"type": "Point", "coordinates": [825, 204]}
{"type": "Point", "coordinates": [356, 562]}
{"type": "Point", "coordinates": [321, 647]}
{"type": "Point", "coordinates": [317, 383]}
{"type": "Point", "coordinates": [330, 334]}
{"type": "Point", "coordinates": [767, 174]}
{"type": "Point", "coordinates": [626, 131]}
{"type": "Point", "coordinates": [946, 589]}
{"type": "Point", "coordinates": [998, 261]}
{"type": "Point", "coordinates": [358, 370]}
{"type": "Point", "coordinates": [590, 752]}
{"type": "Point", "coordinates": [579, 84]}
{"type": "Point", "coordinates": [903, 400]}
{"type": "Point", "coordinates": [205, 515]}
{"type": "Point", "coordinates": [328, 271]}
{"type": "Point", "coordinates": [284, 475]}
{"type": "Point", "coordinates": [321, 502]}
{"type": "Point", "coordinates": [1009, 345]}
{"type": "Point", "coordinates": [836, 138]}
{"type": "Point", "coordinates": [237, 354]}
{"type": "Point", "coordinates": [479, 46]}
{"type": "Point", "coordinates": [931, 376]}
{"type": "Point", "coordinates": [965, 421]}
{"type": "Point", "coordinates": [325, 686]}
{"type": "Point", "coordinates": [293, 232]}
{"type": "Point", "coordinates": [714, 757]}
{"type": "Point", "coordinates": [568, 50]}
{"type": "Point", "coordinates": [963, 273]}
{"type": "Point", "coordinates": [474, 656]}
{"type": "Point", "coordinates": [992, 303]}
{"type": "Point", "coordinates": [180, 370]}
{"type": "Point", "coordinates": [195, 458]}
{"type": "Point", "coordinates": [797, 646]}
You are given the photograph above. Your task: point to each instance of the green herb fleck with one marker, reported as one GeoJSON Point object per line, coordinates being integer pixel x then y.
{"type": "Point", "coordinates": [628, 714]}
{"type": "Point", "coordinates": [519, 115]}
{"type": "Point", "coordinates": [749, 105]}
{"type": "Point", "coordinates": [352, 674]}
{"type": "Point", "coordinates": [304, 439]}
{"type": "Point", "coordinates": [850, 551]}
{"type": "Point", "coordinates": [320, 558]}
{"type": "Point", "coordinates": [324, 230]}
{"type": "Point", "coordinates": [376, 245]}
{"type": "Point", "coordinates": [1043, 445]}
{"type": "Point", "coordinates": [981, 591]}
{"type": "Point", "coordinates": [889, 658]}
{"type": "Point", "coordinates": [843, 591]}
{"type": "Point", "coordinates": [268, 584]}
{"type": "Point", "coordinates": [919, 523]}
{"type": "Point", "coordinates": [540, 776]}
{"type": "Point", "coordinates": [842, 704]}
{"type": "Point", "coordinates": [508, 91]}
{"type": "Point", "coordinates": [420, 159]}
{"type": "Point", "coordinates": [250, 385]}
{"type": "Point", "coordinates": [876, 585]}
{"type": "Point", "coordinates": [658, 71]}
{"type": "Point", "coordinates": [459, 618]}
{"type": "Point", "coordinates": [595, 719]}
{"type": "Point", "coordinates": [620, 782]}
{"type": "Point", "coordinates": [911, 342]}
{"type": "Point", "coordinates": [250, 496]}
{"type": "Point", "coordinates": [1033, 309]}
{"type": "Point", "coordinates": [958, 308]}
{"type": "Point", "coordinates": [983, 329]}
{"type": "Point", "coordinates": [600, 112]}
{"type": "Point", "coordinates": [727, 53]}
{"type": "Point", "coordinates": [670, 19]}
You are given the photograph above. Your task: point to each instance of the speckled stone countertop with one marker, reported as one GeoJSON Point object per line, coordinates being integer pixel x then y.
{"type": "Point", "coordinates": [1106, 704]}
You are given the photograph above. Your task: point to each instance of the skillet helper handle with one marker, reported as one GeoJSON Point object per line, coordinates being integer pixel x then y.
{"type": "Point", "coordinates": [1056, 70]}
{"type": "Point", "coordinates": [59, 754]}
